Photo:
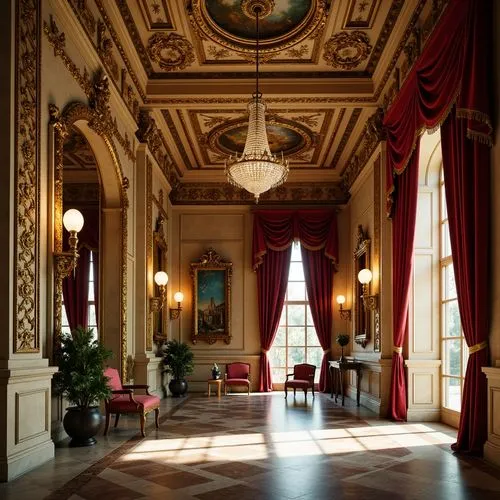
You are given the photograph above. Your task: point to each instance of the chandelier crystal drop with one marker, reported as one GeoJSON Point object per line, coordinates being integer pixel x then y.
{"type": "Point", "coordinates": [257, 170]}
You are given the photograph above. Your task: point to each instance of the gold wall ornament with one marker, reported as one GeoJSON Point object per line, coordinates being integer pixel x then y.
{"type": "Point", "coordinates": [26, 207]}
{"type": "Point", "coordinates": [172, 52]}
{"type": "Point", "coordinates": [85, 15]}
{"type": "Point", "coordinates": [101, 122]}
{"type": "Point", "coordinates": [362, 261]}
{"type": "Point", "coordinates": [56, 39]}
{"type": "Point", "coordinates": [346, 50]}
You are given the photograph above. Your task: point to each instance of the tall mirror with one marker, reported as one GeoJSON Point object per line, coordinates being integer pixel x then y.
{"type": "Point", "coordinates": [159, 264]}
{"type": "Point", "coordinates": [361, 315]}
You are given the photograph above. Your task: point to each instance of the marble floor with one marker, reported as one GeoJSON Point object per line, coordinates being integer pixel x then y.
{"type": "Point", "coordinates": [262, 447]}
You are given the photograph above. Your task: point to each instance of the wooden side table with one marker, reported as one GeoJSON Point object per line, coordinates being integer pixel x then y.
{"type": "Point", "coordinates": [217, 382]}
{"type": "Point", "coordinates": [339, 368]}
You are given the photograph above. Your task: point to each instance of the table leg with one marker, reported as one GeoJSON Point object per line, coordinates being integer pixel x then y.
{"type": "Point", "coordinates": [336, 384]}
{"type": "Point", "coordinates": [330, 369]}
{"type": "Point", "coordinates": [209, 389]}
{"type": "Point", "coordinates": [219, 386]}
{"type": "Point", "coordinates": [358, 384]}
{"type": "Point", "coordinates": [342, 384]}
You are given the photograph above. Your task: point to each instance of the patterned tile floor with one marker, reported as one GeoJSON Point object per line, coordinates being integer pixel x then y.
{"type": "Point", "coordinates": [262, 447]}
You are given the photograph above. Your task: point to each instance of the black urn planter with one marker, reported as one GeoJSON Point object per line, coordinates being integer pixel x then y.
{"type": "Point", "coordinates": [82, 424]}
{"type": "Point", "coordinates": [178, 387]}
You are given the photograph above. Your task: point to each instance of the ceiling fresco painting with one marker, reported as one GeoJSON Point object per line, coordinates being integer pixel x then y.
{"type": "Point", "coordinates": [328, 69]}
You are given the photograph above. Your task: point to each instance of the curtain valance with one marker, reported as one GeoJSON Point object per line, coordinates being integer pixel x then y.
{"type": "Point", "coordinates": [277, 229]}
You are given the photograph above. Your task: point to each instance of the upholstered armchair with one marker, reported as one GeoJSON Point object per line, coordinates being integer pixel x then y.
{"type": "Point", "coordinates": [303, 378]}
{"type": "Point", "coordinates": [237, 374]}
{"type": "Point", "coordinates": [124, 400]}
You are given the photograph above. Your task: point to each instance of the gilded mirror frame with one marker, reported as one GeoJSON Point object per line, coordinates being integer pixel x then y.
{"type": "Point", "coordinates": [160, 248]}
{"type": "Point", "coordinates": [362, 326]}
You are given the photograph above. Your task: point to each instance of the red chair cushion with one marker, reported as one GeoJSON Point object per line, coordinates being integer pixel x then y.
{"type": "Point", "coordinates": [114, 382]}
{"type": "Point", "coordinates": [237, 370]}
{"type": "Point", "coordinates": [120, 403]}
{"type": "Point", "coordinates": [298, 384]}
{"type": "Point", "coordinates": [237, 381]}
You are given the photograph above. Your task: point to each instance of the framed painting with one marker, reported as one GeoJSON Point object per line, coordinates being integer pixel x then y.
{"type": "Point", "coordinates": [211, 278]}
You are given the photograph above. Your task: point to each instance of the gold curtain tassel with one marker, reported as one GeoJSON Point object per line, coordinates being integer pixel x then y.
{"type": "Point", "coordinates": [397, 350]}
{"type": "Point", "coordinates": [478, 347]}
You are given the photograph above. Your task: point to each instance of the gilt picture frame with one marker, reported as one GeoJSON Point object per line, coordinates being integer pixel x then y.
{"type": "Point", "coordinates": [211, 279]}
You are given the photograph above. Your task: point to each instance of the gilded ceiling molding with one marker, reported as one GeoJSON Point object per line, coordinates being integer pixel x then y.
{"type": "Point", "coordinates": [26, 306]}
{"type": "Point", "coordinates": [347, 49]}
{"type": "Point", "coordinates": [177, 140]}
{"type": "Point", "coordinates": [347, 133]}
{"type": "Point", "coordinates": [171, 51]}
{"type": "Point", "coordinates": [289, 193]}
{"type": "Point", "coordinates": [104, 48]}
{"type": "Point", "coordinates": [333, 135]}
{"type": "Point", "coordinates": [149, 133]}
{"type": "Point", "coordinates": [173, 101]}
{"type": "Point", "coordinates": [61, 123]}
{"type": "Point", "coordinates": [88, 85]}
{"type": "Point", "coordinates": [373, 133]}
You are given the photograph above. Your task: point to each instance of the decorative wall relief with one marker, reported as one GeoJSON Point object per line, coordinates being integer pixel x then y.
{"type": "Point", "coordinates": [346, 50]}
{"type": "Point", "coordinates": [27, 158]}
{"type": "Point", "coordinates": [172, 52]}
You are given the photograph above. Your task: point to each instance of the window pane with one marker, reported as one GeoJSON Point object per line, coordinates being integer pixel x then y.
{"type": "Point", "coordinates": [279, 375]}
{"type": "Point", "coordinates": [91, 291]}
{"type": "Point", "coordinates": [277, 356]}
{"type": "Point", "coordinates": [309, 316]}
{"type": "Point", "coordinates": [297, 291]}
{"type": "Point", "coordinates": [280, 339]}
{"type": "Point", "coordinates": [445, 240]}
{"type": "Point", "coordinates": [314, 357]}
{"type": "Point", "coordinates": [283, 316]}
{"type": "Point", "coordinates": [92, 321]}
{"type": "Point", "coordinates": [312, 336]}
{"type": "Point", "coordinates": [449, 285]}
{"type": "Point", "coordinates": [451, 318]}
{"type": "Point", "coordinates": [452, 393]}
{"type": "Point", "coordinates": [296, 336]}
{"type": "Point", "coordinates": [296, 272]}
{"type": "Point", "coordinates": [64, 318]}
{"type": "Point", "coordinates": [296, 355]}
{"type": "Point", "coordinates": [65, 329]}
{"type": "Point", "coordinates": [296, 254]}
{"type": "Point", "coordinates": [296, 314]}
{"type": "Point", "coordinates": [452, 357]}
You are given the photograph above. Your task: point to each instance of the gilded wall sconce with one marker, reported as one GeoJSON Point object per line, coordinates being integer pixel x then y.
{"type": "Point", "coordinates": [370, 302]}
{"type": "Point", "coordinates": [345, 314]}
{"type": "Point", "coordinates": [176, 311]}
{"type": "Point", "coordinates": [66, 262]}
{"type": "Point", "coordinates": [156, 303]}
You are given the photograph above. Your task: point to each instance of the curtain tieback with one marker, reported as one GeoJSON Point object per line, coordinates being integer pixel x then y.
{"type": "Point", "coordinates": [478, 347]}
{"type": "Point", "coordinates": [397, 350]}
{"type": "Point", "coordinates": [263, 351]}
{"type": "Point", "coordinates": [326, 351]}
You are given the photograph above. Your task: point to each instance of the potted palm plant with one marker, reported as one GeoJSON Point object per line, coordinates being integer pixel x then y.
{"type": "Point", "coordinates": [81, 381]}
{"type": "Point", "coordinates": [178, 362]}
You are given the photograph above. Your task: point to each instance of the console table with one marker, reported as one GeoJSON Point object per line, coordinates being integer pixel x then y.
{"type": "Point", "coordinates": [337, 370]}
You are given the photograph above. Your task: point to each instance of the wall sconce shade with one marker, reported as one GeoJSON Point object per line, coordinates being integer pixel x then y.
{"type": "Point", "coordinates": [175, 312]}
{"type": "Point", "coordinates": [345, 314]}
{"type": "Point", "coordinates": [370, 302]}
{"type": "Point", "coordinates": [156, 303]}
{"type": "Point", "coordinates": [65, 262]}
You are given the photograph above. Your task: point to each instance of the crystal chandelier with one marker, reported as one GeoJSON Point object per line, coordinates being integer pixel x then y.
{"type": "Point", "coordinates": [257, 170]}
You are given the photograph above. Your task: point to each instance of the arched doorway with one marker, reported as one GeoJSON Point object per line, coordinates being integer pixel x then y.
{"type": "Point", "coordinates": [112, 220]}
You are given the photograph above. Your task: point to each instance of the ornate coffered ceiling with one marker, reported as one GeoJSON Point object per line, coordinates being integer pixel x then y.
{"type": "Point", "coordinates": [328, 68]}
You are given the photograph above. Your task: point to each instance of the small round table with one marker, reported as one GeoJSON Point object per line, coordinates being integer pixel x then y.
{"type": "Point", "coordinates": [217, 382]}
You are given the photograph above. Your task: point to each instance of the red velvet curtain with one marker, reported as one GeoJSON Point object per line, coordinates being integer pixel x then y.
{"type": "Point", "coordinates": [403, 235]}
{"type": "Point", "coordinates": [76, 292]}
{"type": "Point", "coordinates": [319, 283]}
{"type": "Point", "coordinates": [452, 69]}
{"type": "Point", "coordinates": [274, 232]}
{"type": "Point", "coordinates": [467, 178]}
{"type": "Point", "coordinates": [272, 280]}
{"type": "Point", "coordinates": [76, 288]}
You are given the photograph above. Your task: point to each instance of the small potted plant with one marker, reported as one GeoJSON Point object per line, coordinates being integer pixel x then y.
{"type": "Point", "coordinates": [342, 341]}
{"type": "Point", "coordinates": [81, 381]}
{"type": "Point", "coordinates": [178, 362]}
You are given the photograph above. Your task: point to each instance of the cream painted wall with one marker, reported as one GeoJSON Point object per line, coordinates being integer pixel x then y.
{"type": "Point", "coordinates": [229, 231]}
